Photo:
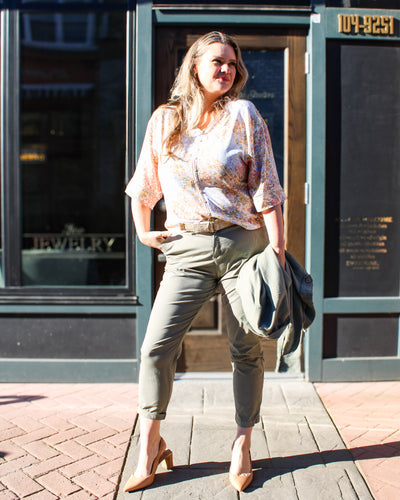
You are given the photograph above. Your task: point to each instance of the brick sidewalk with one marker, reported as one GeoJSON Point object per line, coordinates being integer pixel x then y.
{"type": "Point", "coordinates": [64, 440]}
{"type": "Point", "coordinates": [297, 453]}
{"type": "Point", "coordinates": [367, 416]}
{"type": "Point", "coordinates": [70, 440]}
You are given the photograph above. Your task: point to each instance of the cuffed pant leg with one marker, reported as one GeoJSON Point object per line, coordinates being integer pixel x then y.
{"type": "Point", "coordinates": [180, 297]}
{"type": "Point", "coordinates": [247, 361]}
{"type": "Point", "coordinates": [245, 348]}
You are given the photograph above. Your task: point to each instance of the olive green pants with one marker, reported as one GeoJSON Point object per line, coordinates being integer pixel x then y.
{"type": "Point", "coordinates": [196, 265]}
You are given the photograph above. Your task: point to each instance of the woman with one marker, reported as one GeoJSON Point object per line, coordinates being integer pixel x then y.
{"type": "Point", "coordinates": [209, 154]}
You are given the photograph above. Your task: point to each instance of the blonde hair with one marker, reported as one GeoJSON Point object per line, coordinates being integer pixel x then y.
{"type": "Point", "coordinates": [186, 94]}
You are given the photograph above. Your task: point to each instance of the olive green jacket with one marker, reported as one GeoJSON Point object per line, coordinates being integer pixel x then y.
{"type": "Point", "coordinates": [277, 304]}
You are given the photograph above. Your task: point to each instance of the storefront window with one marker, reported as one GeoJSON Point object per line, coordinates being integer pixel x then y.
{"type": "Point", "coordinates": [73, 148]}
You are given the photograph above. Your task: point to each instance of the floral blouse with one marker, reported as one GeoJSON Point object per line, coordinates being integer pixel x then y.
{"type": "Point", "coordinates": [226, 171]}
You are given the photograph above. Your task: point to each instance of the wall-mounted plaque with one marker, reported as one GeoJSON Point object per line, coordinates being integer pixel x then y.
{"type": "Point", "coordinates": [363, 175]}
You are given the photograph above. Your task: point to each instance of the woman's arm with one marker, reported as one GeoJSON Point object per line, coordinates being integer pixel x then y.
{"type": "Point", "coordinates": [274, 223]}
{"type": "Point", "coordinates": [141, 218]}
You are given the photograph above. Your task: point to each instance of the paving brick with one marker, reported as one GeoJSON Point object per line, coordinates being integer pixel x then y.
{"type": "Point", "coordinates": [83, 465]}
{"type": "Point", "coordinates": [43, 495]}
{"type": "Point", "coordinates": [56, 422]}
{"type": "Point", "coordinates": [110, 496]}
{"type": "Point", "coordinates": [98, 435]}
{"type": "Point", "coordinates": [73, 449]}
{"type": "Point", "coordinates": [211, 442]}
{"type": "Point", "coordinates": [60, 437]}
{"type": "Point", "coordinates": [94, 483]}
{"type": "Point", "coordinates": [37, 435]}
{"type": "Point", "coordinates": [57, 484]}
{"type": "Point", "coordinates": [387, 492]}
{"type": "Point", "coordinates": [272, 484]}
{"type": "Point", "coordinates": [12, 433]}
{"type": "Point", "coordinates": [17, 464]}
{"type": "Point", "coordinates": [105, 449]}
{"type": "Point", "coordinates": [117, 423]}
{"type": "Point", "coordinates": [86, 422]}
{"type": "Point", "coordinates": [20, 484]}
{"type": "Point", "coordinates": [110, 468]}
{"type": "Point", "coordinates": [273, 397]}
{"type": "Point", "coordinates": [27, 423]}
{"type": "Point", "coordinates": [318, 482]}
{"type": "Point", "coordinates": [40, 450]}
{"type": "Point", "coordinates": [7, 494]}
{"type": "Point", "coordinates": [5, 424]}
{"type": "Point", "coordinates": [186, 401]}
{"type": "Point", "coordinates": [46, 466]}
{"type": "Point", "coordinates": [81, 495]}
{"type": "Point", "coordinates": [301, 396]}
{"type": "Point", "coordinates": [195, 484]}
{"type": "Point", "coordinates": [10, 450]}
{"type": "Point", "coordinates": [365, 425]}
{"type": "Point", "coordinates": [122, 438]}
{"type": "Point", "coordinates": [289, 436]}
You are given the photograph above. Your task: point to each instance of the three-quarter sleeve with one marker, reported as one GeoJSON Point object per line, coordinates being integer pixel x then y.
{"type": "Point", "coordinates": [263, 181]}
{"type": "Point", "coordinates": [145, 184]}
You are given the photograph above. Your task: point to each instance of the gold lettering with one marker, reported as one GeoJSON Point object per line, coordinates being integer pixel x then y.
{"type": "Point", "coordinates": [385, 25]}
{"type": "Point", "coordinates": [340, 20]}
{"type": "Point", "coordinates": [355, 21]}
{"type": "Point", "coordinates": [346, 24]}
{"type": "Point", "coordinates": [376, 25]}
{"type": "Point", "coordinates": [367, 24]}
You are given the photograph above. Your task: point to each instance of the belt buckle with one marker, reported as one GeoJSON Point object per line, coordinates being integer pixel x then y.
{"type": "Point", "coordinates": [211, 226]}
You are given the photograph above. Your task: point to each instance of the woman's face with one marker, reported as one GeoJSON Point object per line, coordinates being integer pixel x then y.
{"type": "Point", "coordinates": [216, 70]}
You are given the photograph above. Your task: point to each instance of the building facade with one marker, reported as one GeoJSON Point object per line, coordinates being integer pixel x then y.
{"type": "Point", "coordinates": [79, 81]}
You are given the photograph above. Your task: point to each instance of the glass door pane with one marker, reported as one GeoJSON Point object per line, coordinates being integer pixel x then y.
{"type": "Point", "coordinates": [73, 148]}
{"type": "Point", "coordinates": [266, 89]}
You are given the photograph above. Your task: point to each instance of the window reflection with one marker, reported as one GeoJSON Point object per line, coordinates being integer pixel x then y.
{"type": "Point", "coordinates": [266, 89]}
{"type": "Point", "coordinates": [72, 148]}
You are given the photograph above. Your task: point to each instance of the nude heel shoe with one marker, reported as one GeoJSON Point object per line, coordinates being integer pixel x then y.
{"type": "Point", "coordinates": [164, 457]}
{"type": "Point", "coordinates": [167, 462]}
{"type": "Point", "coordinates": [241, 481]}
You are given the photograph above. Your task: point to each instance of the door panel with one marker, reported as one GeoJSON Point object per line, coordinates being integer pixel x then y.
{"type": "Point", "coordinates": [275, 60]}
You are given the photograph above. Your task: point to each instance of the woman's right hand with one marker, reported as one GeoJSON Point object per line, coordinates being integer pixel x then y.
{"type": "Point", "coordinates": [153, 239]}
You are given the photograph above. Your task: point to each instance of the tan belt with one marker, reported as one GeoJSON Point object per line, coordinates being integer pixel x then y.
{"type": "Point", "coordinates": [211, 225]}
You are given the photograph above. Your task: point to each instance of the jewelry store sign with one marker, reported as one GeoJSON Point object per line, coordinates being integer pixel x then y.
{"type": "Point", "coordinates": [74, 239]}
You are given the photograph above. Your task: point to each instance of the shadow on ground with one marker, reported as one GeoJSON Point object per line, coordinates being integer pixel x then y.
{"type": "Point", "coordinates": [9, 400]}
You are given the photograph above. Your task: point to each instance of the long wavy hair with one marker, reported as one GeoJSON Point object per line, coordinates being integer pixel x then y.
{"type": "Point", "coordinates": [187, 94]}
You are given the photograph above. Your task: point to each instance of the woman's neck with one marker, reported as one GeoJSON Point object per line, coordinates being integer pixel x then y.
{"type": "Point", "coordinates": [207, 116]}
{"type": "Point", "coordinates": [205, 120]}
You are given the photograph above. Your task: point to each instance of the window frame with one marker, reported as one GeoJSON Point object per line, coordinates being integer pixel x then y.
{"type": "Point", "coordinates": [12, 291]}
